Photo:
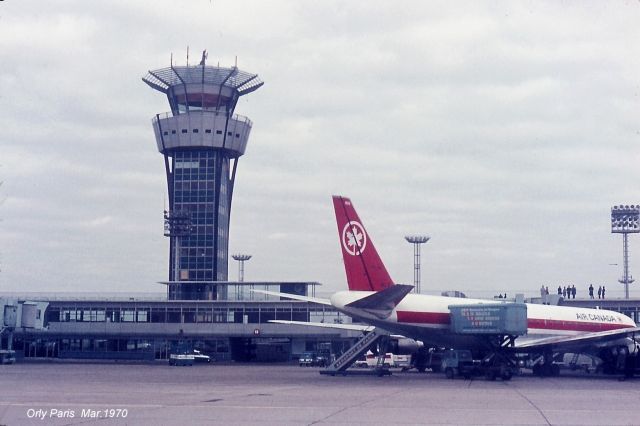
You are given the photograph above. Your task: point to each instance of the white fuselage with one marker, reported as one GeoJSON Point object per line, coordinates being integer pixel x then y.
{"type": "Point", "coordinates": [427, 318]}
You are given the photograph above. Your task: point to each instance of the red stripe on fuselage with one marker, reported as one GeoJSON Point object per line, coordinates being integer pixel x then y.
{"type": "Point", "coordinates": [441, 318]}
{"type": "Point", "coordinates": [424, 317]}
{"type": "Point", "coordinates": [549, 324]}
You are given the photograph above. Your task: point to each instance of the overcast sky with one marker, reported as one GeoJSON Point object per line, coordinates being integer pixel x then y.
{"type": "Point", "coordinates": [505, 131]}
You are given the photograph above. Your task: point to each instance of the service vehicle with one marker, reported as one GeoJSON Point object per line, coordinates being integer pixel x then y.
{"type": "Point", "coordinates": [460, 362]}
{"type": "Point", "coordinates": [427, 358]}
{"type": "Point", "coordinates": [390, 360]}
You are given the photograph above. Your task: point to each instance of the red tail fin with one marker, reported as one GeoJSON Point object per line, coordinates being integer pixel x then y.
{"type": "Point", "coordinates": [365, 270]}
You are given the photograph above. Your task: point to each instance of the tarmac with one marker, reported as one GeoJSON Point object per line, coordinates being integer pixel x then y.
{"type": "Point", "coordinates": [266, 394]}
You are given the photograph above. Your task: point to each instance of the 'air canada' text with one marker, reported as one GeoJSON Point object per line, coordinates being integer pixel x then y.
{"type": "Point", "coordinates": [596, 317]}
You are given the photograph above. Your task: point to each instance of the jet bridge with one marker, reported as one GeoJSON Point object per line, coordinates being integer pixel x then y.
{"type": "Point", "coordinates": [17, 314]}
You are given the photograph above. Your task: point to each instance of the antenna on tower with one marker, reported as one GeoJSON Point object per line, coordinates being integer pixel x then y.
{"type": "Point", "coordinates": [204, 57]}
{"type": "Point", "coordinates": [171, 59]}
{"type": "Point", "coordinates": [187, 55]}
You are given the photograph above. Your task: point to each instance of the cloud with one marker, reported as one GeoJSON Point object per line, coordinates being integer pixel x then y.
{"type": "Point", "coordinates": [505, 130]}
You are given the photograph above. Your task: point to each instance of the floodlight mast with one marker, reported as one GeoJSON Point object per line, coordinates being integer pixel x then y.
{"type": "Point", "coordinates": [241, 258]}
{"type": "Point", "coordinates": [416, 240]}
{"type": "Point", "coordinates": [625, 220]}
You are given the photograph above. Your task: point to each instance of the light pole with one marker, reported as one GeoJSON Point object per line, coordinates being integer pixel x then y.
{"type": "Point", "coordinates": [416, 240]}
{"type": "Point", "coordinates": [625, 220]}
{"type": "Point", "coordinates": [241, 258]}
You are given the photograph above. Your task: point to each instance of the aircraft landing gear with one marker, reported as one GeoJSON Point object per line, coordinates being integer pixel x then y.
{"type": "Point", "coordinates": [545, 367]}
{"type": "Point", "coordinates": [500, 363]}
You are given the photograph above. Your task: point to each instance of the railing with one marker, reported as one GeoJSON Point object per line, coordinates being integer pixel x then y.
{"type": "Point", "coordinates": [89, 296]}
{"type": "Point", "coordinates": [236, 117]}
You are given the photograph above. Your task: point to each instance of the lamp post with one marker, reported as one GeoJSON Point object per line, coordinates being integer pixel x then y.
{"type": "Point", "coordinates": [625, 220]}
{"type": "Point", "coordinates": [241, 258]}
{"type": "Point", "coordinates": [416, 240]}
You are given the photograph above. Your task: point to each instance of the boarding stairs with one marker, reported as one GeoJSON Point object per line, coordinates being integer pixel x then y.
{"type": "Point", "coordinates": [347, 359]}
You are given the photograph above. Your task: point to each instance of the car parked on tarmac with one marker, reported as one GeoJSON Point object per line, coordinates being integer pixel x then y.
{"type": "Point", "coordinates": [200, 357]}
{"type": "Point", "coordinates": [312, 359]}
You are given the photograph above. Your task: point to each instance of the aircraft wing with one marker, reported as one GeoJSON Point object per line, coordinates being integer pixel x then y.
{"type": "Point", "coordinates": [576, 342]}
{"type": "Point", "coordinates": [353, 327]}
{"type": "Point", "coordinates": [295, 297]}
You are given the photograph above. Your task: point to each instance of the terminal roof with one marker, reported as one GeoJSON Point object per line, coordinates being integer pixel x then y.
{"type": "Point", "coordinates": [164, 78]}
{"type": "Point", "coordinates": [243, 283]}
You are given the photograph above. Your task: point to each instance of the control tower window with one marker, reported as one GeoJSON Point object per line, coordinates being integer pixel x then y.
{"type": "Point", "coordinates": [199, 102]}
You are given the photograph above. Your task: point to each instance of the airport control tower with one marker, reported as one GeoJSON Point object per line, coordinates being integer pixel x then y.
{"type": "Point", "coordinates": [201, 141]}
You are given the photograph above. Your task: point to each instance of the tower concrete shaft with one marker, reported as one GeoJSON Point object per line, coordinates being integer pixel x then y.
{"type": "Point", "coordinates": [201, 141]}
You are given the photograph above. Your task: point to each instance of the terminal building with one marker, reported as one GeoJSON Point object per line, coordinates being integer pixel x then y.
{"type": "Point", "coordinates": [201, 140]}
{"type": "Point", "coordinates": [236, 329]}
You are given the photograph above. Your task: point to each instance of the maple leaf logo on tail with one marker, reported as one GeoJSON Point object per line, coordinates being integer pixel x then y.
{"type": "Point", "coordinates": [354, 239]}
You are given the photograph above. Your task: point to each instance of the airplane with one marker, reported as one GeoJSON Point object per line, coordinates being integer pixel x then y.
{"type": "Point", "coordinates": [375, 300]}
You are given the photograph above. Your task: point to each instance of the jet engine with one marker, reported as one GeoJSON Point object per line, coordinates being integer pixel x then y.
{"type": "Point", "coordinates": [403, 346]}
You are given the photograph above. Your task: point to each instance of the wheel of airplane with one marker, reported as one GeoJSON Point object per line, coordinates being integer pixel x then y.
{"type": "Point", "coordinates": [448, 372]}
{"type": "Point", "coordinates": [506, 374]}
{"type": "Point", "coordinates": [537, 370]}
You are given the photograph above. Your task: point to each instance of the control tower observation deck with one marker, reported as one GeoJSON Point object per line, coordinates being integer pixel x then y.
{"type": "Point", "coordinates": [201, 140]}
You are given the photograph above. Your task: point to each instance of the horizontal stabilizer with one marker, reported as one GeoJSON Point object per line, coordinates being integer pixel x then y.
{"type": "Point", "coordinates": [382, 303]}
{"type": "Point", "coordinates": [294, 297]}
